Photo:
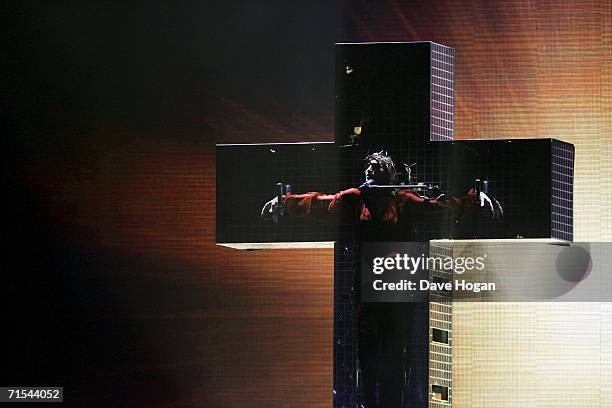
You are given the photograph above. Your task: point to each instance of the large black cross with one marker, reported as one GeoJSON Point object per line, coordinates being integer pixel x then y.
{"type": "Point", "coordinates": [397, 97]}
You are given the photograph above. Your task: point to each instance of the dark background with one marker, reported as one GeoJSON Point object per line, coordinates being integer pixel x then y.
{"type": "Point", "coordinates": [112, 285]}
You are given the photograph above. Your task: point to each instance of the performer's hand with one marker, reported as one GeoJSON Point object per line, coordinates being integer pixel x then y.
{"type": "Point", "coordinates": [491, 205]}
{"type": "Point", "coordinates": [267, 212]}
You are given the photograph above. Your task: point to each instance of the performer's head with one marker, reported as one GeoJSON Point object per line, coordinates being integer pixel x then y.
{"type": "Point", "coordinates": [380, 169]}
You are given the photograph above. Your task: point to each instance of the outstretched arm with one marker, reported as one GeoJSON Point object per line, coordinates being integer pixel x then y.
{"type": "Point", "coordinates": [314, 204]}
{"type": "Point", "coordinates": [451, 207]}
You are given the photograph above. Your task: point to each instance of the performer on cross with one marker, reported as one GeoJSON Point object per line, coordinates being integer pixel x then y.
{"type": "Point", "coordinates": [387, 214]}
{"type": "Point", "coordinates": [383, 214]}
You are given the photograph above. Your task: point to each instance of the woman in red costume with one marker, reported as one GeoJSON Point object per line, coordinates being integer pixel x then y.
{"type": "Point", "coordinates": [384, 214]}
